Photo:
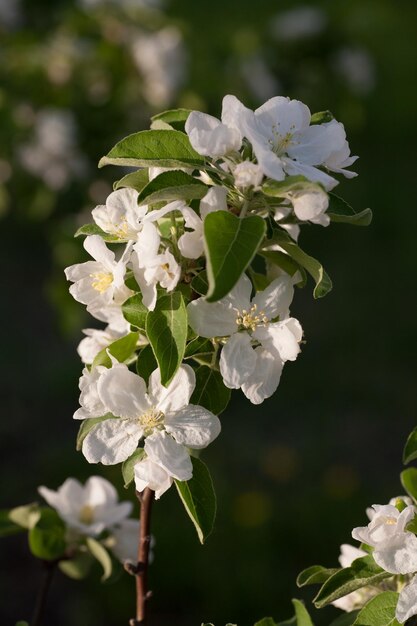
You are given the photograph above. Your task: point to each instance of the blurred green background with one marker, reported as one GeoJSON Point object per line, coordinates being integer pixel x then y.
{"type": "Point", "coordinates": [294, 475]}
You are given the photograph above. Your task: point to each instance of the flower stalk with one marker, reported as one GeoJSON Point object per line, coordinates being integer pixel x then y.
{"type": "Point", "coordinates": [40, 602]}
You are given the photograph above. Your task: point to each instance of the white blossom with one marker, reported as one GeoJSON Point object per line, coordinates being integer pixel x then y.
{"type": "Point", "coordinates": [96, 339]}
{"type": "Point", "coordinates": [125, 540]}
{"type": "Point", "coordinates": [121, 216]}
{"type": "Point", "coordinates": [256, 346]}
{"type": "Point", "coordinates": [89, 508]}
{"type": "Point", "coordinates": [91, 404]}
{"type": "Point", "coordinates": [299, 23]}
{"type": "Point", "coordinates": [247, 174]}
{"type": "Point", "coordinates": [191, 243]}
{"type": "Point", "coordinates": [311, 205]}
{"type": "Point", "coordinates": [150, 473]}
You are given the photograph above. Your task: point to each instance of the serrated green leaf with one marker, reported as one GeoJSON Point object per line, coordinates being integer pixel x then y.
{"type": "Point", "coordinates": [321, 117]}
{"type": "Point", "coordinates": [47, 537]}
{"type": "Point", "coordinates": [135, 180]}
{"type": "Point", "coordinates": [172, 185]}
{"type": "Point", "coordinates": [316, 574]}
{"type": "Point", "coordinates": [86, 425]}
{"type": "Point", "coordinates": [128, 467]}
{"type": "Point", "coordinates": [100, 553]}
{"type": "Point", "coordinates": [154, 148]}
{"type": "Point", "coordinates": [166, 329]}
{"type": "Point", "coordinates": [409, 481]}
{"type": "Point", "coordinates": [146, 363]}
{"type": "Point", "coordinates": [78, 567]}
{"type": "Point", "coordinates": [199, 284]}
{"type": "Point", "coordinates": [340, 211]}
{"type": "Point", "coordinates": [135, 312]}
{"type": "Point", "coordinates": [93, 229]}
{"type": "Point", "coordinates": [380, 611]}
{"type": "Point", "coordinates": [176, 118]}
{"type": "Point", "coordinates": [363, 572]}
{"type": "Point", "coordinates": [7, 527]}
{"type": "Point", "coordinates": [25, 516]}
{"type": "Point", "coordinates": [210, 391]}
{"type": "Point", "coordinates": [345, 619]}
{"type": "Point", "coordinates": [410, 448]}
{"type": "Point", "coordinates": [230, 244]}
{"type": "Point", "coordinates": [313, 267]}
{"type": "Point", "coordinates": [199, 499]}
{"type": "Point", "coordinates": [122, 349]}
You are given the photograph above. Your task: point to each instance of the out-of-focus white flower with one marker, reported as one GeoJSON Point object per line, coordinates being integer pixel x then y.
{"type": "Point", "coordinates": [358, 598]}
{"type": "Point", "coordinates": [256, 347]}
{"type": "Point", "coordinates": [357, 68]}
{"type": "Point", "coordinates": [53, 154]}
{"type": "Point", "coordinates": [247, 174]}
{"type": "Point", "coordinates": [10, 13]}
{"type": "Point", "coordinates": [161, 58]}
{"type": "Point", "coordinates": [89, 508]}
{"type": "Point", "coordinates": [121, 216]}
{"type": "Point", "coordinates": [125, 540]}
{"type": "Point", "coordinates": [395, 548]}
{"type": "Point", "coordinates": [191, 243]}
{"type": "Point", "coordinates": [96, 339]}
{"type": "Point", "coordinates": [299, 23]}
{"type": "Point", "coordinates": [259, 78]}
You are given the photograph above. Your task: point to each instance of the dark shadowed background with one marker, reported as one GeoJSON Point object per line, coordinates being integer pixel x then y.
{"type": "Point", "coordinates": [294, 475]}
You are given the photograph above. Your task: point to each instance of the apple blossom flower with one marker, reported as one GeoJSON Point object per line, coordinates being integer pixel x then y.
{"type": "Point", "coordinates": [256, 346]}
{"type": "Point", "coordinates": [191, 243]}
{"type": "Point", "coordinates": [100, 282]}
{"type": "Point", "coordinates": [357, 599]}
{"type": "Point", "coordinates": [89, 508]}
{"type": "Point", "coordinates": [311, 206]}
{"type": "Point", "coordinates": [150, 473]}
{"type": "Point", "coordinates": [395, 548]}
{"type": "Point", "coordinates": [247, 174]}
{"type": "Point", "coordinates": [96, 339]}
{"type": "Point", "coordinates": [91, 404]}
{"type": "Point", "coordinates": [162, 415]}
{"type": "Point", "coordinates": [125, 540]}
{"type": "Point", "coordinates": [121, 216]}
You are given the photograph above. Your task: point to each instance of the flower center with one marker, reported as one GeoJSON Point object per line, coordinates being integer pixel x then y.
{"type": "Point", "coordinates": [279, 142]}
{"type": "Point", "coordinates": [390, 521]}
{"type": "Point", "coordinates": [165, 268]}
{"type": "Point", "coordinates": [86, 515]}
{"type": "Point", "coordinates": [122, 228]}
{"type": "Point", "coordinates": [249, 320]}
{"type": "Point", "coordinates": [153, 418]}
{"type": "Point", "coordinates": [101, 281]}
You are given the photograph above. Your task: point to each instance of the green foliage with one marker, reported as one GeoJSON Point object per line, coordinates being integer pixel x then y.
{"type": "Point", "coordinates": [78, 567]}
{"type": "Point", "coordinates": [199, 284]}
{"type": "Point", "coordinates": [210, 390]}
{"type": "Point", "coordinates": [363, 571]}
{"type": "Point", "coordinates": [291, 184]}
{"type": "Point", "coordinates": [128, 466]}
{"type": "Point", "coordinates": [136, 180]}
{"type": "Point", "coordinates": [340, 211]}
{"type": "Point", "coordinates": [316, 574]}
{"type": "Point", "coordinates": [7, 527]}
{"type": "Point", "coordinates": [380, 611]}
{"type": "Point", "coordinates": [231, 243]}
{"type": "Point", "coordinates": [266, 621]}
{"type": "Point", "coordinates": [345, 619]}
{"type": "Point", "coordinates": [93, 229]}
{"type": "Point", "coordinates": [166, 328]}
{"type": "Point", "coordinates": [47, 536]}
{"type": "Point", "coordinates": [25, 516]}
{"type": "Point", "coordinates": [410, 448]}
{"type": "Point", "coordinates": [135, 312]}
{"type": "Point", "coordinates": [100, 553]}
{"type": "Point", "coordinates": [286, 263]}
{"type": "Point", "coordinates": [146, 363]}
{"type": "Point", "coordinates": [198, 346]}
{"type": "Point", "coordinates": [154, 148]}
{"type": "Point", "coordinates": [174, 117]}
{"type": "Point", "coordinates": [313, 267]}
{"type": "Point", "coordinates": [121, 349]}
{"type": "Point", "coordinates": [86, 425]}
{"type": "Point", "coordinates": [409, 481]}
{"type": "Point", "coordinates": [173, 185]}
{"type": "Point", "coordinates": [199, 499]}
{"type": "Point", "coordinates": [321, 117]}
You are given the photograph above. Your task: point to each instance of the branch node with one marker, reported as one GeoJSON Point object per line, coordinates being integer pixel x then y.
{"type": "Point", "coordinates": [133, 568]}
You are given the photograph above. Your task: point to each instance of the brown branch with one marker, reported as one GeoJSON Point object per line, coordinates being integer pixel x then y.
{"type": "Point", "coordinates": [48, 572]}
{"type": "Point", "coordinates": [140, 569]}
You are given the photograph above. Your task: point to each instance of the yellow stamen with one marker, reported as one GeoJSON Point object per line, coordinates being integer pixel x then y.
{"type": "Point", "coordinates": [86, 515]}
{"type": "Point", "coordinates": [252, 318]}
{"type": "Point", "coordinates": [102, 281]}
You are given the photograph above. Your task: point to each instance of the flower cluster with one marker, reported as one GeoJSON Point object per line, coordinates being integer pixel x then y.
{"type": "Point", "coordinates": [196, 296]}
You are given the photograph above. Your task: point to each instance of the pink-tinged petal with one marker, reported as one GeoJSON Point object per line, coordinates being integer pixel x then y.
{"type": "Point", "coordinates": [178, 393]}
{"type": "Point", "coordinates": [96, 247]}
{"type": "Point", "coordinates": [150, 474]}
{"type": "Point", "coordinates": [162, 449]}
{"type": "Point", "coordinates": [237, 360]}
{"type": "Point", "coordinates": [112, 441]}
{"type": "Point", "coordinates": [276, 298]}
{"type": "Point", "coordinates": [264, 380]}
{"type": "Point", "coordinates": [123, 393]}
{"type": "Point", "coordinates": [193, 426]}
{"type": "Point", "coordinates": [216, 319]}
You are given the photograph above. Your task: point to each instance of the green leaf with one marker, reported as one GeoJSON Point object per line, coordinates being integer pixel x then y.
{"type": "Point", "coordinates": [410, 448]}
{"type": "Point", "coordinates": [340, 211]}
{"type": "Point", "coordinates": [47, 537]}
{"type": "Point", "coordinates": [93, 229]}
{"type": "Point", "coordinates": [345, 619]}
{"type": "Point", "coordinates": [7, 527]}
{"type": "Point", "coordinates": [173, 185]}
{"type": "Point", "coordinates": [286, 263]}
{"type": "Point", "coordinates": [380, 611]}
{"type": "Point", "coordinates": [199, 284]}
{"type": "Point", "coordinates": [266, 621]}
{"type": "Point", "coordinates": [363, 571]}
{"type": "Point", "coordinates": [230, 243]}
{"type": "Point", "coordinates": [135, 312]}
{"type": "Point", "coordinates": [78, 567]}
{"type": "Point", "coordinates": [282, 188]}
{"type": "Point", "coordinates": [25, 516]}
{"type": "Point", "coordinates": [198, 346]}
{"type": "Point", "coordinates": [321, 117]}
{"type": "Point", "coordinates": [166, 328]}
{"type": "Point", "coordinates": [22, 623]}
{"type": "Point", "coordinates": [313, 267]}
{"type": "Point", "coordinates": [146, 363]}
{"type": "Point", "coordinates": [199, 499]}
{"type": "Point", "coordinates": [135, 180]}
{"type": "Point", "coordinates": [154, 148]}
{"type": "Point", "coordinates": [128, 467]}
{"type": "Point", "coordinates": [122, 349]}
{"type": "Point", "coordinates": [86, 425]}
{"type": "Point", "coordinates": [301, 614]}
{"type": "Point", "coordinates": [316, 574]}
{"type": "Point", "coordinates": [210, 391]}
{"type": "Point", "coordinates": [100, 553]}
{"type": "Point", "coordinates": [409, 481]}
{"type": "Point", "coordinates": [174, 117]}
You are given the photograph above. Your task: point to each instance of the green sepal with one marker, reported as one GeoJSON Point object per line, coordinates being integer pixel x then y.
{"type": "Point", "coordinates": [128, 466]}
{"type": "Point", "coordinates": [154, 148]}
{"type": "Point", "coordinates": [26, 515]}
{"type": "Point", "coordinates": [230, 244]}
{"type": "Point", "coordinates": [199, 498]}
{"type": "Point", "coordinates": [321, 117]}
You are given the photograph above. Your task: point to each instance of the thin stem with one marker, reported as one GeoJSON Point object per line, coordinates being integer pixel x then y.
{"type": "Point", "coordinates": [48, 572]}
{"type": "Point", "coordinates": [140, 570]}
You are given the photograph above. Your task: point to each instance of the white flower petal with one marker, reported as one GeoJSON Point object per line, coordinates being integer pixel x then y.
{"type": "Point", "coordinates": [96, 247]}
{"type": "Point", "coordinates": [216, 319]}
{"type": "Point", "coordinates": [193, 426]}
{"type": "Point", "coordinates": [239, 296]}
{"type": "Point", "coordinates": [276, 298]}
{"type": "Point", "coordinates": [112, 441]}
{"type": "Point", "coordinates": [178, 393]}
{"type": "Point", "coordinates": [162, 449]}
{"type": "Point", "coordinates": [284, 337]}
{"type": "Point", "coordinates": [122, 392]}
{"type": "Point", "coordinates": [237, 360]}
{"type": "Point", "coordinates": [214, 200]}
{"type": "Point", "coordinates": [150, 474]}
{"type": "Point", "coordinates": [398, 554]}
{"type": "Point", "coordinates": [407, 602]}
{"type": "Point", "coordinates": [349, 553]}
{"type": "Point", "coordinates": [264, 380]}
